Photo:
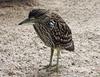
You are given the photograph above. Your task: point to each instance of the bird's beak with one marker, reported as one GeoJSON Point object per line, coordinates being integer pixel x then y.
{"type": "Point", "coordinates": [25, 21]}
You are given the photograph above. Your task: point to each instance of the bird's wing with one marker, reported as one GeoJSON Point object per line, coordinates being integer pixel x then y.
{"type": "Point", "coordinates": [60, 32]}
{"type": "Point", "coordinates": [43, 34]}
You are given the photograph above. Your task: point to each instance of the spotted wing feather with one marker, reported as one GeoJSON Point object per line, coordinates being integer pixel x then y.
{"type": "Point", "coordinates": [61, 33]}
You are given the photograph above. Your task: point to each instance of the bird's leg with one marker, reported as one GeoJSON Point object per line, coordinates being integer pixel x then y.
{"type": "Point", "coordinates": [52, 51]}
{"type": "Point", "coordinates": [58, 54]}
{"type": "Point", "coordinates": [49, 67]}
{"type": "Point", "coordinates": [57, 64]}
{"type": "Point", "coordinates": [51, 56]}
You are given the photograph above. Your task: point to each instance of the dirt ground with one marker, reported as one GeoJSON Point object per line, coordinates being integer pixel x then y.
{"type": "Point", "coordinates": [22, 52]}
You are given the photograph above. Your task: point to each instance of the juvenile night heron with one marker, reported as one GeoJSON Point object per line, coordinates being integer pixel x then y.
{"type": "Point", "coordinates": [52, 30]}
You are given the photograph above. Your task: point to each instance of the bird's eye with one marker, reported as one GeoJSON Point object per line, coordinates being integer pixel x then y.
{"type": "Point", "coordinates": [51, 23]}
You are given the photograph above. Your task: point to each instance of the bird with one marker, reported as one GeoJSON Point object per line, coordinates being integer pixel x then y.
{"type": "Point", "coordinates": [52, 30]}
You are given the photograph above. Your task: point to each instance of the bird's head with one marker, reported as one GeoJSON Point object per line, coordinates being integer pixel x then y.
{"type": "Point", "coordinates": [34, 15]}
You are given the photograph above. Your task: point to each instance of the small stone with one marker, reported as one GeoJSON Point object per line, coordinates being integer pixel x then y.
{"type": "Point", "coordinates": [73, 63]}
{"type": "Point", "coordinates": [11, 73]}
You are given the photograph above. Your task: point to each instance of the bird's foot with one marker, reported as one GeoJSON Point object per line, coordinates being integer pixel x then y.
{"type": "Point", "coordinates": [53, 70]}
{"type": "Point", "coordinates": [48, 67]}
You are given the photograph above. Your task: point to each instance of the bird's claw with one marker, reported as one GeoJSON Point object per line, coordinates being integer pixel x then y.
{"type": "Point", "coordinates": [48, 67]}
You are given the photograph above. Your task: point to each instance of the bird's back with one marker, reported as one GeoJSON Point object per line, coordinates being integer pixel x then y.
{"type": "Point", "coordinates": [61, 33]}
{"type": "Point", "coordinates": [54, 32]}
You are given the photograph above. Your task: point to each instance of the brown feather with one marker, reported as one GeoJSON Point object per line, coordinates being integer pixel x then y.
{"type": "Point", "coordinates": [54, 32]}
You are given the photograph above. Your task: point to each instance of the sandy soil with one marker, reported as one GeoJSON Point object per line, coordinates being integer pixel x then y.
{"type": "Point", "coordinates": [22, 52]}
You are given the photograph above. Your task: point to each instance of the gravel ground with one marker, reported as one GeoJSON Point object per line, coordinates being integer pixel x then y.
{"type": "Point", "coordinates": [22, 52]}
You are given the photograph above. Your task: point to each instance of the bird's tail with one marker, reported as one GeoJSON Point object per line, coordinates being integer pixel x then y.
{"type": "Point", "coordinates": [70, 47]}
